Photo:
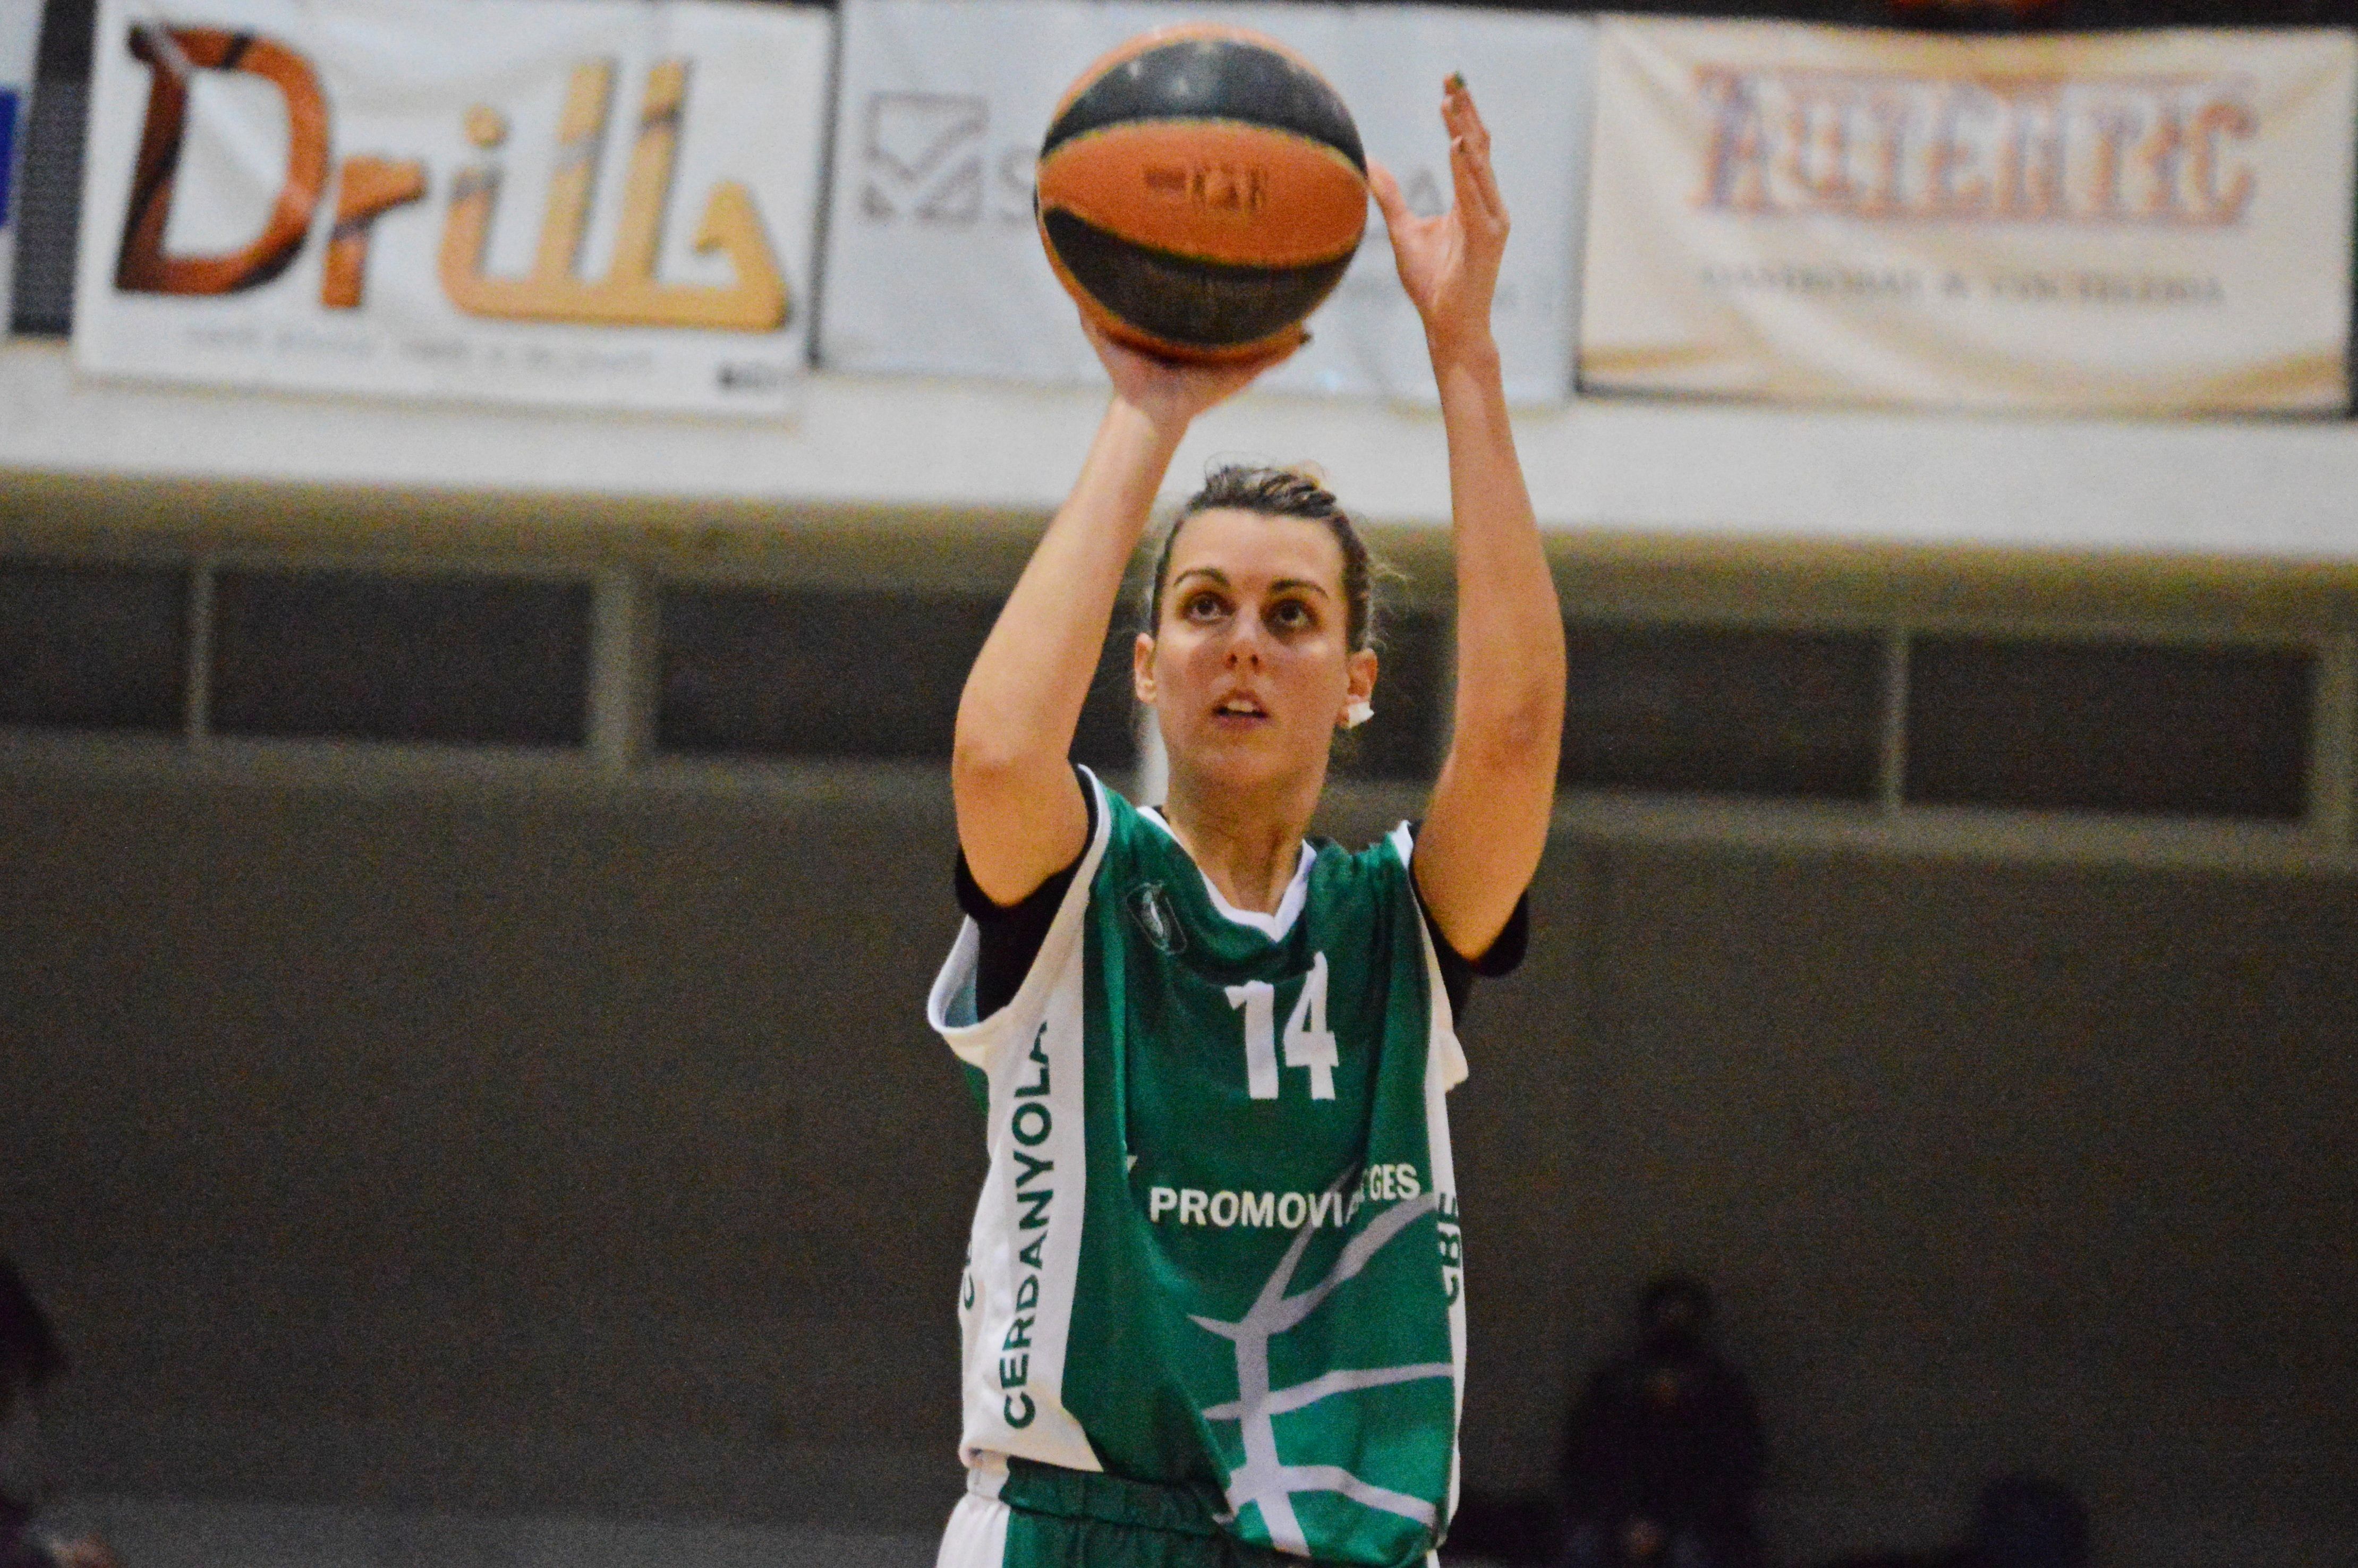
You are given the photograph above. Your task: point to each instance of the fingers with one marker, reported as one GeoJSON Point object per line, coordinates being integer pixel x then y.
{"type": "Point", "coordinates": [1241, 371]}
{"type": "Point", "coordinates": [1201, 388]}
{"type": "Point", "coordinates": [1386, 189]}
{"type": "Point", "coordinates": [1119, 359]}
{"type": "Point", "coordinates": [1473, 208]}
{"type": "Point", "coordinates": [1469, 155]}
{"type": "Point", "coordinates": [1487, 202]}
{"type": "Point", "coordinates": [1458, 112]}
{"type": "Point", "coordinates": [1295, 342]}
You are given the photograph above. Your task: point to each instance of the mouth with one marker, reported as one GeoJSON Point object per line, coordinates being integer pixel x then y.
{"type": "Point", "coordinates": [1239, 708]}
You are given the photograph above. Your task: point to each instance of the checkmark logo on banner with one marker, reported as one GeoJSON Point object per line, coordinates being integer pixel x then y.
{"type": "Point", "coordinates": [924, 157]}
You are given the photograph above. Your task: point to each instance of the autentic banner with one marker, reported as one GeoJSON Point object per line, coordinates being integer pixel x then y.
{"type": "Point", "coordinates": [934, 266]}
{"type": "Point", "coordinates": [602, 203]}
{"type": "Point", "coordinates": [20, 30]}
{"type": "Point", "coordinates": [2152, 222]}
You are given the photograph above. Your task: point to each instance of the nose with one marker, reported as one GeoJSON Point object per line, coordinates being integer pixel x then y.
{"type": "Point", "coordinates": [1244, 649]}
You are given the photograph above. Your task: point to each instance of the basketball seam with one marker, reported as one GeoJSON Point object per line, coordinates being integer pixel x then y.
{"type": "Point", "coordinates": [1162, 253]}
{"type": "Point", "coordinates": [1324, 148]}
{"type": "Point", "coordinates": [1157, 38]}
{"type": "Point", "coordinates": [1281, 132]}
{"type": "Point", "coordinates": [1122, 328]}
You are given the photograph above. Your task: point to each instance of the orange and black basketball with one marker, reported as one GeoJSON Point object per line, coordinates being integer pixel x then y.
{"type": "Point", "coordinates": [1201, 191]}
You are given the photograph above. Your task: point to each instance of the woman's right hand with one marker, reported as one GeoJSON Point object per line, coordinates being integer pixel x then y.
{"type": "Point", "coordinates": [1170, 393]}
{"type": "Point", "coordinates": [1449, 264]}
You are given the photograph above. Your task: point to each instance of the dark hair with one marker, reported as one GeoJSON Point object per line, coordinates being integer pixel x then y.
{"type": "Point", "coordinates": [29, 1354]}
{"type": "Point", "coordinates": [1278, 492]}
{"type": "Point", "coordinates": [1664, 1289]}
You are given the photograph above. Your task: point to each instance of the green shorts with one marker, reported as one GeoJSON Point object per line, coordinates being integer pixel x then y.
{"type": "Point", "coordinates": [1047, 1516]}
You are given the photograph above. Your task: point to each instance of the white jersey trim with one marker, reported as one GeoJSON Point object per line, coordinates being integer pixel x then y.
{"type": "Point", "coordinates": [1451, 1054]}
{"type": "Point", "coordinates": [1273, 925]}
{"type": "Point", "coordinates": [986, 1475]}
{"type": "Point", "coordinates": [976, 1536]}
{"type": "Point", "coordinates": [1015, 1304]}
{"type": "Point", "coordinates": [1444, 1069]}
{"type": "Point", "coordinates": [949, 1007]}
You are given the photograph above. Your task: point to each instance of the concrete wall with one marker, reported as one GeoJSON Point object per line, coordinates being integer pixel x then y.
{"type": "Point", "coordinates": [486, 1148]}
{"type": "Point", "coordinates": [2249, 492]}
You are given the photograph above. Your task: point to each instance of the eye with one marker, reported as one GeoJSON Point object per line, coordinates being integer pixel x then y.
{"type": "Point", "coordinates": [1204, 605]}
{"type": "Point", "coordinates": [1293, 615]}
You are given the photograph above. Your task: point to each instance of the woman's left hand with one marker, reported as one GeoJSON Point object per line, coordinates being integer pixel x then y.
{"type": "Point", "coordinates": [1449, 264]}
{"type": "Point", "coordinates": [1170, 393]}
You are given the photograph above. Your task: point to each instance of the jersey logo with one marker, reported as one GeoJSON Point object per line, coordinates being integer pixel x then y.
{"type": "Point", "coordinates": [1265, 1478]}
{"type": "Point", "coordinates": [1150, 910]}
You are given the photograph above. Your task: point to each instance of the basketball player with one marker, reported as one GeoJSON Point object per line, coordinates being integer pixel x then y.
{"type": "Point", "coordinates": [1212, 1309]}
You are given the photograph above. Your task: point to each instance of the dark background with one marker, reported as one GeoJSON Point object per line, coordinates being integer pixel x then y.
{"type": "Point", "coordinates": [507, 1151]}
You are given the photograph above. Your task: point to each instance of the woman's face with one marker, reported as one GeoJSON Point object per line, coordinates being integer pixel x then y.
{"type": "Point", "coordinates": [1250, 666]}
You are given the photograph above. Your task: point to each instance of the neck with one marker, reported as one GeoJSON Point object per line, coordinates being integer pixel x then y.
{"type": "Point", "coordinates": [1247, 844]}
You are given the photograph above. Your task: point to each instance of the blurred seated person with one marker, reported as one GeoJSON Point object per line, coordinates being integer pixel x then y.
{"type": "Point", "coordinates": [29, 1361]}
{"type": "Point", "coordinates": [2025, 1522]}
{"type": "Point", "coordinates": [2019, 1521]}
{"type": "Point", "coordinates": [1662, 1453]}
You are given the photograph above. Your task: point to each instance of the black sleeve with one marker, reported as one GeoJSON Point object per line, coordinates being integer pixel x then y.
{"type": "Point", "coordinates": [1457, 971]}
{"type": "Point", "coordinates": [1012, 933]}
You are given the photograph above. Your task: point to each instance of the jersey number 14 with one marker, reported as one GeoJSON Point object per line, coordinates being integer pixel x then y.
{"type": "Point", "coordinates": [1308, 1042]}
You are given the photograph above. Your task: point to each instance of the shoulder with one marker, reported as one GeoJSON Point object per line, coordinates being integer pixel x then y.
{"type": "Point", "coordinates": [1139, 869]}
{"type": "Point", "coordinates": [1381, 867]}
{"type": "Point", "coordinates": [1127, 830]}
{"type": "Point", "coordinates": [1375, 875]}
{"type": "Point", "coordinates": [1136, 842]}
{"type": "Point", "coordinates": [1108, 806]}
{"type": "Point", "coordinates": [1366, 890]}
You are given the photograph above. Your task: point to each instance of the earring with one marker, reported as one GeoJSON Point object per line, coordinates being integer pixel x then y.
{"type": "Point", "coordinates": [1358, 711]}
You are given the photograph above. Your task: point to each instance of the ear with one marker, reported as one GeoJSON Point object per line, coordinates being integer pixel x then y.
{"type": "Point", "coordinates": [1142, 669]}
{"type": "Point", "coordinates": [1359, 681]}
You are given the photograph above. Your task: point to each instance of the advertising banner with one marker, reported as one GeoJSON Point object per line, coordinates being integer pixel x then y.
{"type": "Point", "coordinates": [20, 31]}
{"type": "Point", "coordinates": [601, 204]}
{"type": "Point", "coordinates": [2155, 222]}
{"type": "Point", "coordinates": [933, 263]}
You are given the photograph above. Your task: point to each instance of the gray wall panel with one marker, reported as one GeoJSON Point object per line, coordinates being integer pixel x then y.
{"type": "Point", "coordinates": [506, 1150]}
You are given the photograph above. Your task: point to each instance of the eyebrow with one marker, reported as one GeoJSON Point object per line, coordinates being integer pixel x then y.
{"type": "Point", "coordinates": [1221, 578]}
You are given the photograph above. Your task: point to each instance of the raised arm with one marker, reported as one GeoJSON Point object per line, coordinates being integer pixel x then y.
{"type": "Point", "coordinates": [1019, 819]}
{"type": "Point", "coordinates": [1488, 819]}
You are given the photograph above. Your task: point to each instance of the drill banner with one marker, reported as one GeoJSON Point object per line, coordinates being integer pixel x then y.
{"type": "Point", "coordinates": [20, 29]}
{"type": "Point", "coordinates": [2154, 222]}
{"type": "Point", "coordinates": [935, 266]}
{"type": "Point", "coordinates": [600, 203]}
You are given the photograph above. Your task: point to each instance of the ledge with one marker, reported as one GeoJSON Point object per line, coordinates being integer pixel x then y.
{"type": "Point", "coordinates": [1678, 475]}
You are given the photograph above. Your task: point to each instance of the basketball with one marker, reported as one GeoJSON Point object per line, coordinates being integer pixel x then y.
{"type": "Point", "coordinates": [1201, 191]}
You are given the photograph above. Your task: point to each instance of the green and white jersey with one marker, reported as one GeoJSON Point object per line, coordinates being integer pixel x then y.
{"type": "Point", "coordinates": [1217, 1244]}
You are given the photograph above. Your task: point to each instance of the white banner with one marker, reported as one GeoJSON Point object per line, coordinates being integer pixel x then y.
{"type": "Point", "coordinates": [20, 33]}
{"type": "Point", "coordinates": [932, 262]}
{"type": "Point", "coordinates": [601, 204]}
{"type": "Point", "coordinates": [2154, 222]}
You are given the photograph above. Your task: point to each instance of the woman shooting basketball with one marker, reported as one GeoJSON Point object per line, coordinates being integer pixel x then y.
{"type": "Point", "coordinates": [1213, 1310]}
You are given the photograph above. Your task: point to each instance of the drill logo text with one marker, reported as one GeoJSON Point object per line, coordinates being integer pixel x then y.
{"type": "Point", "coordinates": [368, 189]}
